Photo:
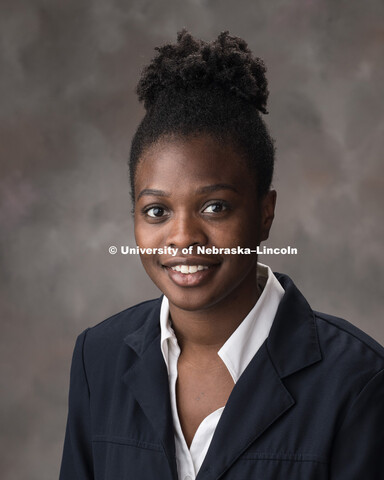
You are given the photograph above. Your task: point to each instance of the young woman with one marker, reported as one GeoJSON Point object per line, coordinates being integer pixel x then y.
{"type": "Point", "coordinates": [229, 374]}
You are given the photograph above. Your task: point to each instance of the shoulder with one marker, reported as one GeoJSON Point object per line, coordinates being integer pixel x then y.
{"type": "Point", "coordinates": [127, 320]}
{"type": "Point", "coordinates": [347, 350]}
{"type": "Point", "coordinates": [349, 333]}
{"type": "Point", "coordinates": [348, 355]}
{"type": "Point", "coordinates": [109, 334]}
{"type": "Point", "coordinates": [348, 338]}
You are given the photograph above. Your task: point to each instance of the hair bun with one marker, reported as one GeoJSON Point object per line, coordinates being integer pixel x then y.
{"type": "Point", "coordinates": [190, 64]}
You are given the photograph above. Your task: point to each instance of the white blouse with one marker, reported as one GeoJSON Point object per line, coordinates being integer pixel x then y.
{"type": "Point", "coordinates": [236, 353]}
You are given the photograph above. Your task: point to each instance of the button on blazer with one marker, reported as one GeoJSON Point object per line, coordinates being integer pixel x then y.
{"type": "Point", "coordinates": [309, 406]}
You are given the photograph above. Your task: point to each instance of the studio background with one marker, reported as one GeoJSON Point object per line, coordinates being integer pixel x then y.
{"type": "Point", "coordinates": [68, 113]}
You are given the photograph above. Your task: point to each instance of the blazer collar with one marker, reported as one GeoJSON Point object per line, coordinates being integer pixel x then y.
{"type": "Point", "coordinates": [293, 325]}
{"type": "Point", "coordinates": [258, 399]}
{"type": "Point", "coordinates": [140, 339]}
{"type": "Point", "coordinates": [293, 343]}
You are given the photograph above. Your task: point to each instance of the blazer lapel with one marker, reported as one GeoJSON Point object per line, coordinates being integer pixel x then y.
{"type": "Point", "coordinates": [293, 342]}
{"type": "Point", "coordinates": [258, 400]}
{"type": "Point", "coordinates": [260, 397]}
{"type": "Point", "coordinates": [148, 381]}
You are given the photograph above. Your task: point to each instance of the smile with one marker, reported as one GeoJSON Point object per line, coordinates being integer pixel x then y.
{"type": "Point", "coordinates": [187, 269]}
{"type": "Point", "coordinates": [191, 275]}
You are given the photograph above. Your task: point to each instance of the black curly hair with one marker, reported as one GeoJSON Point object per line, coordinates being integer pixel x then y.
{"type": "Point", "coordinates": [217, 88]}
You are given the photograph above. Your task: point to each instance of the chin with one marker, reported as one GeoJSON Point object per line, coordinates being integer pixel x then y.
{"type": "Point", "coordinates": [196, 300]}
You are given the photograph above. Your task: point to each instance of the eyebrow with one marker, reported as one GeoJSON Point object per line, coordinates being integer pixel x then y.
{"type": "Point", "coordinates": [205, 189]}
{"type": "Point", "coordinates": [154, 192]}
{"type": "Point", "coordinates": [216, 187]}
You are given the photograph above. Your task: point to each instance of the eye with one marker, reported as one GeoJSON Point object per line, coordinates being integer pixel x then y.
{"type": "Point", "coordinates": [216, 207]}
{"type": "Point", "coordinates": [155, 212]}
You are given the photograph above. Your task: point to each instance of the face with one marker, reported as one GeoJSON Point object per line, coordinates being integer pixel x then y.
{"type": "Point", "coordinates": [195, 191]}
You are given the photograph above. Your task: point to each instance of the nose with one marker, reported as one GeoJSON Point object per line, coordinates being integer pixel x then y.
{"type": "Point", "coordinates": [184, 231]}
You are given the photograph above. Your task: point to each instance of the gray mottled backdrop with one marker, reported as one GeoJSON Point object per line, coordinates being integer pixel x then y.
{"type": "Point", "coordinates": [67, 115]}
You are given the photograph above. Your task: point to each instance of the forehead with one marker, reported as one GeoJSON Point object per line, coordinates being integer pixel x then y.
{"type": "Point", "coordinates": [172, 163]}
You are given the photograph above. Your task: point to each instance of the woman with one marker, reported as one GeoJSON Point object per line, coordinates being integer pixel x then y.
{"type": "Point", "coordinates": [229, 374]}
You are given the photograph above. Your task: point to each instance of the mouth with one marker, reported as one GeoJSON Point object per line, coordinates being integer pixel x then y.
{"type": "Point", "coordinates": [186, 273]}
{"type": "Point", "coordinates": [188, 269]}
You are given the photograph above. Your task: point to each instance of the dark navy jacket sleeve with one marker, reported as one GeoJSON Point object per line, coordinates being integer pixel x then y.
{"type": "Point", "coordinates": [358, 450]}
{"type": "Point", "coordinates": [77, 461]}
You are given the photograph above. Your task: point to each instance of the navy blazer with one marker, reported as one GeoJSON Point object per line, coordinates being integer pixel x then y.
{"type": "Point", "coordinates": [309, 406]}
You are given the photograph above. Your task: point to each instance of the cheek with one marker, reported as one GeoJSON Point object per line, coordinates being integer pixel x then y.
{"type": "Point", "coordinates": [150, 267]}
{"type": "Point", "coordinates": [147, 262]}
{"type": "Point", "coordinates": [146, 235]}
{"type": "Point", "coordinates": [242, 232]}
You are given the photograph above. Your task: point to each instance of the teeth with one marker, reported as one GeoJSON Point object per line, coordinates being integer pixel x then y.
{"type": "Point", "coordinates": [189, 268]}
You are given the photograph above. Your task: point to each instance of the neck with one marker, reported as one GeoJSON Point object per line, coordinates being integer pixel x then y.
{"type": "Point", "coordinates": [204, 332]}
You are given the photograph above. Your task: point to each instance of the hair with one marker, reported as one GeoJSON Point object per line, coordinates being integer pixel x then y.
{"type": "Point", "coordinates": [217, 88]}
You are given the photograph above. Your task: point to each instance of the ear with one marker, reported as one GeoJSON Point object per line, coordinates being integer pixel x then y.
{"type": "Point", "coordinates": [268, 203]}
